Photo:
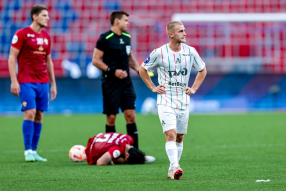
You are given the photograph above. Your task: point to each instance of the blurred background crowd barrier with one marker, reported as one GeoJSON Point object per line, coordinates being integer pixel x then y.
{"type": "Point", "coordinates": [245, 60]}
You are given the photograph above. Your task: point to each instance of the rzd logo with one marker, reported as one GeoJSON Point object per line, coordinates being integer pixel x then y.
{"type": "Point", "coordinates": [180, 72]}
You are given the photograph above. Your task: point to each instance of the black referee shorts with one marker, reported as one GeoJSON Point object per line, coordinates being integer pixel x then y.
{"type": "Point", "coordinates": [117, 94]}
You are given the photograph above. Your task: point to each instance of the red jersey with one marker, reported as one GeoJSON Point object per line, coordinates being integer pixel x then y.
{"type": "Point", "coordinates": [32, 60]}
{"type": "Point", "coordinates": [114, 143]}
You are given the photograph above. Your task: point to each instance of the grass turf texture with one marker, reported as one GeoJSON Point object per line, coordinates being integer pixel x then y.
{"type": "Point", "coordinates": [221, 152]}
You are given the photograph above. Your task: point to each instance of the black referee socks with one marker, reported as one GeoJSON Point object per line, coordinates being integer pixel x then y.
{"type": "Point", "coordinates": [109, 129]}
{"type": "Point", "coordinates": [132, 131]}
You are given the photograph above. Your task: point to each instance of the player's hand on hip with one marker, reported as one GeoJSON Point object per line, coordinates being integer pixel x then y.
{"type": "Point", "coordinates": [159, 89]}
{"type": "Point", "coordinates": [53, 92]}
{"type": "Point", "coordinates": [15, 88]}
{"type": "Point", "coordinates": [120, 73]}
{"type": "Point", "coordinates": [189, 91]}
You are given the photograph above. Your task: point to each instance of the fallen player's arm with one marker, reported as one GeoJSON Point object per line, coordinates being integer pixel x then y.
{"type": "Point", "coordinates": [119, 160]}
{"type": "Point", "coordinates": [105, 159]}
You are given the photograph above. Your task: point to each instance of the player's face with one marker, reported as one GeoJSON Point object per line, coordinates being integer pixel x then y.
{"type": "Point", "coordinates": [123, 23]}
{"type": "Point", "coordinates": [42, 19]}
{"type": "Point", "coordinates": [180, 34]}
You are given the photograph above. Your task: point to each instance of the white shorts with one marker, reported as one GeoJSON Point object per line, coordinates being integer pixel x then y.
{"type": "Point", "coordinates": [172, 118]}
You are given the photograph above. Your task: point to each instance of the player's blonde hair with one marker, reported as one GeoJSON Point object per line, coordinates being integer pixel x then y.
{"type": "Point", "coordinates": [171, 26]}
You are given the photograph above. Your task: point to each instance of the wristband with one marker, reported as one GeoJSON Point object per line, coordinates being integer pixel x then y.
{"type": "Point", "coordinates": [110, 71]}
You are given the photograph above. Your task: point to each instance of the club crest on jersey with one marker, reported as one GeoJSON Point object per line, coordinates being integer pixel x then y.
{"type": "Point", "coordinates": [147, 60]}
{"type": "Point", "coordinates": [30, 35]}
{"type": "Point", "coordinates": [121, 41]}
{"type": "Point", "coordinates": [24, 103]}
{"type": "Point", "coordinates": [41, 48]}
{"type": "Point", "coordinates": [46, 41]}
{"type": "Point", "coordinates": [128, 49]}
{"type": "Point", "coordinates": [40, 41]}
{"type": "Point", "coordinates": [178, 61]}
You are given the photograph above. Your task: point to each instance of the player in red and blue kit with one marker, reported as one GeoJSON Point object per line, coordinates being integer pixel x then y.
{"type": "Point", "coordinates": [32, 47]}
{"type": "Point", "coordinates": [113, 148]}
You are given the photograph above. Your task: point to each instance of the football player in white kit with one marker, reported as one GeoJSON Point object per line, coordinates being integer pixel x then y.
{"type": "Point", "coordinates": [174, 62]}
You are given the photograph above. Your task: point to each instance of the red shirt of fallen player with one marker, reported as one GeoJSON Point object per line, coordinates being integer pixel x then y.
{"type": "Point", "coordinates": [113, 143]}
{"type": "Point", "coordinates": [34, 48]}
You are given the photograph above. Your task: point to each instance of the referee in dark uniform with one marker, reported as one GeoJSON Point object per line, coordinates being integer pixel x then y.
{"type": "Point", "coordinates": [113, 56]}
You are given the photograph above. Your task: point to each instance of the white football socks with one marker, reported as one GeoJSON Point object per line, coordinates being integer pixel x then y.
{"type": "Point", "coordinates": [171, 149]}
{"type": "Point", "coordinates": [28, 151]}
{"type": "Point", "coordinates": [180, 150]}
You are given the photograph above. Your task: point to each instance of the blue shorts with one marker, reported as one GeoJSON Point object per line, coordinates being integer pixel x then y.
{"type": "Point", "coordinates": [34, 96]}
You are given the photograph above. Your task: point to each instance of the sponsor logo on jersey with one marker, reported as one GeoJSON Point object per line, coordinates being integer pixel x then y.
{"type": "Point", "coordinates": [128, 49]}
{"type": "Point", "coordinates": [121, 41]}
{"type": "Point", "coordinates": [176, 84]}
{"type": "Point", "coordinates": [15, 39]}
{"type": "Point", "coordinates": [180, 72]}
{"type": "Point", "coordinates": [24, 103]}
{"type": "Point", "coordinates": [30, 35]}
{"type": "Point", "coordinates": [40, 41]}
{"type": "Point", "coordinates": [46, 41]}
{"type": "Point", "coordinates": [147, 60]}
{"type": "Point", "coordinates": [116, 154]}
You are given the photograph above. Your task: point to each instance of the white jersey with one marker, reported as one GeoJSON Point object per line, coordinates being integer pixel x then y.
{"type": "Point", "coordinates": [174, 69]}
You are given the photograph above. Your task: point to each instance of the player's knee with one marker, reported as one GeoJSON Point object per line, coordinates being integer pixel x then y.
{"type": "Point", "coordinates": [30, 114]}
{"type": "Point", "coordinates": [39, 117]}
{"type": "Point", "coordinates": [110, 120]}
{"type": "Point", "coordinates": [170, 135]}
{"type": "Point", "coordinates": [130, 118]}
{"type": "Point", "coordinates": [179, 138]}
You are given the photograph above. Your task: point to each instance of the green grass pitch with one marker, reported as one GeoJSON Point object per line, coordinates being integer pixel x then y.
{"type": "Point", "coordinates": [221, 152]}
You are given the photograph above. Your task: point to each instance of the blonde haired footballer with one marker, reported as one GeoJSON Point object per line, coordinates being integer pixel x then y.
{"type": "Point", "coordinates": [174, 62]}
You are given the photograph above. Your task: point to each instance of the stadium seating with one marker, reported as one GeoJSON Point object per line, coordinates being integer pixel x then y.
{"type": "Point", "coordinates": [234, 52]}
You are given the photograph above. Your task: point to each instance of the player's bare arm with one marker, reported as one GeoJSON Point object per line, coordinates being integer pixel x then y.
{"type": "Point", "coordinates": [96, 61]}
{"type": "Point", "coordinates": [197, 83]}
{"type": "Point", "coordinates": [119, 160]}
{"type": "Point", "coordinates": [50, 68]}
{"type": "Point", "coordinates": [133, 63]}
{"type": "Point", "coordinates": [105, 159]}
{"type": "Point", "coordinates": [146, 78]}
{"type": "Point", "coordinates": [15, 87]}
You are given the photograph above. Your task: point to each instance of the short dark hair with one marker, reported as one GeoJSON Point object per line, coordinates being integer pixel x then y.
{"type": "Point", "coordinates": [117, 14]}
{"type": "Point", "coordinates": [36, 10]}
{"type": "Point", "coordinates": [135, 156]}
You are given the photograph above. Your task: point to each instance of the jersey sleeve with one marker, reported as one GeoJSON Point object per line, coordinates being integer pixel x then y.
{"type": "Point", "coordinates": [151, 61]}
{"type": "Point", "coordinates": [198, 64]}
{"type": "Point", "coordinates": [18, 40]}
{"type": "Point", "coordinates": [114, 152]}
{"type": "Point", "coordinates": [101, 43]}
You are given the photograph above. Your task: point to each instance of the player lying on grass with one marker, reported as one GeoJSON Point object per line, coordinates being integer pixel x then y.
{"type": "Point", "coordinates": [114, 148]}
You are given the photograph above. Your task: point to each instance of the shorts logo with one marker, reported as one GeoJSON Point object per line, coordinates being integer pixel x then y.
{"type": "Point", "coordinates": [24, 103]}
{"type": "Point", "coordinates": [128, 49]}
{"type": "Point", "coordinates": [147, 60]}
{"type": "Point", "coordinates": [163, 122]}
{"type": "Point", "coordinates": [15, 39]}
{"type": "Point", "coordinates": [116, 154]}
